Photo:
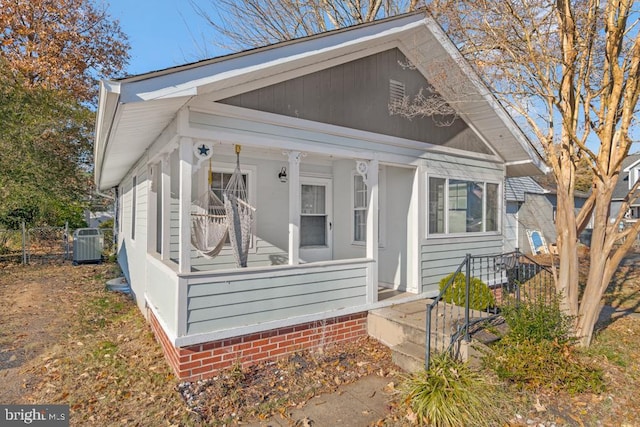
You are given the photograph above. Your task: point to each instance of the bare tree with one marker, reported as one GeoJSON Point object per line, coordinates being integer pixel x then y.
{"type": "Point", "coordinates": [252, 23]}
{"type": "Point", "coordinates": [571, 72]}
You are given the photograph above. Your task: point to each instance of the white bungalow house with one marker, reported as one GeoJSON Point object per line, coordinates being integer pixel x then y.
{"type": "Point", "coordinates": [372, 204]}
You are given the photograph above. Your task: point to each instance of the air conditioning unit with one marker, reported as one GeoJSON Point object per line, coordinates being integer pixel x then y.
{"type": "Point", "coordinates": [87, 246]}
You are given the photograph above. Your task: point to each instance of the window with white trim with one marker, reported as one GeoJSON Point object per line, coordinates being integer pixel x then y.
{"type": "Point", "coordinates": [220, 180]}
{"type": "Point", "coordinates": [359, 209]}
{"type": "Point", "coordinates": [220, 177]}
{"type": "Point", "coordinates": [133, 207]}
{"type": "Point", "coordinates": [359, 205]}
{"type": "Point", "coordinates": [459, 206]}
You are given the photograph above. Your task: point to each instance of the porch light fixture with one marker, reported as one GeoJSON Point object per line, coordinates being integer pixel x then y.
{"type": "Point", "coordinates": [282, 175]}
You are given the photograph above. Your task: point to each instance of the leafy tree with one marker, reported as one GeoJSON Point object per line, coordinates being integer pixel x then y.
{"type": "Point", "coordinates": [46, 145]}
{"type": "Point", "coordinates": [571, 71]}
{"type": "Point", "coordinates": [51, 53]}
{"type": "Point", "coordinates": [61, 44]}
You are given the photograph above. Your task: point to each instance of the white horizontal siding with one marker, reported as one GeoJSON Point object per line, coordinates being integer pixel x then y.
{"type": "Point", "coordinates": [440, 257]}
{"type": "Point", "coordinates": [162, 293]}
{"type": "Point", "coordinates": [231, 301]}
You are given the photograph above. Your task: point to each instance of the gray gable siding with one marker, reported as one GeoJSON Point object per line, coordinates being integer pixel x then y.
{"type": "Point", "coordinates": [356, 95]}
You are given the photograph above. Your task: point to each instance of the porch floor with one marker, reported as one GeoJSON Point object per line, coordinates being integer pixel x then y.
{"type": "Point", "coordinates": [387, 294]}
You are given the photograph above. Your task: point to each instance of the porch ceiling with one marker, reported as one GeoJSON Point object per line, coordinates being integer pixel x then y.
{"type": "Point", "coordinates": [136, 128]}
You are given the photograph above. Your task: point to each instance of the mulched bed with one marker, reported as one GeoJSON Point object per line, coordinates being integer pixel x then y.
{"type": "Point", "coordinates": [273, 388]}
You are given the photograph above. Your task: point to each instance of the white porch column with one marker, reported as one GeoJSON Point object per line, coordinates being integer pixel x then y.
{"type": "Point", "coordinates": [294, 206]}
{"type": "Point", "coordinates": [371, 179]}
{"type": "Point", "coordinates": [184, 212]}
{"type": "Point", "coordinates": [165, 190]}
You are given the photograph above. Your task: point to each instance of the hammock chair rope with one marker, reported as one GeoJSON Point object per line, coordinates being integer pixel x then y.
{"type": "Point", "coordinates": [239, 214]}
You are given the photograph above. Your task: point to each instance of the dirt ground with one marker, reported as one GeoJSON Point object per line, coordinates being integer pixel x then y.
{"type": "Point", "coordinates": [64, 339]}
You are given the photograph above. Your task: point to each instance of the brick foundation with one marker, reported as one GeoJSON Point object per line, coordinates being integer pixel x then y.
{"type": "Point", "coordinates": [205, 360]}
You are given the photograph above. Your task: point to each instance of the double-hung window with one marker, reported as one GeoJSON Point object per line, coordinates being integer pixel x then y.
{"type": "Point", "coordinates": [360, 204]}
{"type": "Point", "coordinates": [359, 209]}
{"type": "Point", "coordinates": [220, 180]}
{"type": "Point", "coordinates": [459, 206]}
{"type": "Point", "coordinates": [134, 187]}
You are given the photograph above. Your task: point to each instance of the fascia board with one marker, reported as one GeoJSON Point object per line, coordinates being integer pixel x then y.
{"type": "Point", "coordinates": [631, 166]}
{"type": "Point", "coordinates": [107, 106]}
{"type": "Point", "coordinates": [484, 92]}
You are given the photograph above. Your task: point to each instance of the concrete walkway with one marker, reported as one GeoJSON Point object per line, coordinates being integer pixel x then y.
{"type": "Point", "coordinates": [358, 404]}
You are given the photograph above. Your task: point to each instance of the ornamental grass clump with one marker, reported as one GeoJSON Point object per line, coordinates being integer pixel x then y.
{"type": "Point", "coordinates": [451, 394]}
{"type": "Point", "coordinates": [481, 296]}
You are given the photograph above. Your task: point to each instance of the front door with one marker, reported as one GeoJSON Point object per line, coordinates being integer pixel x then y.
{"type": "Point", "coordinates": [315, 219]}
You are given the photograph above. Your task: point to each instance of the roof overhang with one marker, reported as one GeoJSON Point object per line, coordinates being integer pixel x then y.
{"type": "Point", "coordinates": [134, 111]}
{"type": "Point", "coordinates": [632, 166]}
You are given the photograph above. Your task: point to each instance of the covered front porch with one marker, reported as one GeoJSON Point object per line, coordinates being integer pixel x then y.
{"type": "Point", "coordinates": [322, 242]}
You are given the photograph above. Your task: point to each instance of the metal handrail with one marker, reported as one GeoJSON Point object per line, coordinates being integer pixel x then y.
{"type": "Point", "coordinates": [507, 272]}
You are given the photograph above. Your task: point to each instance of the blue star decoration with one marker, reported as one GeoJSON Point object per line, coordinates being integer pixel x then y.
{"type": "Point", "coordinates": [203, 150]}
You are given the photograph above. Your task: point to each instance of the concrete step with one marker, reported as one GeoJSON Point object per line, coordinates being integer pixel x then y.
{"type": "Point", "coordinates": [399, 323]}
{"type": "Point", "coordinates": [402, 327]}
{"type": "Point", "coordinates": [408, 356]}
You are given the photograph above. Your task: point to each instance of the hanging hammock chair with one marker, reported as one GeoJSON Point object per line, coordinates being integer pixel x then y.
{"type": "Point", "coordinates": [209, 229]}
{"type": "Point", "coordinates": [212, 220]}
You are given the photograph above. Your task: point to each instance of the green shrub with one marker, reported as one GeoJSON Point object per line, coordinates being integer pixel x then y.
{"type": "Point", "coordinates": [106, 224]}
{"type": "Point", "coordinates": [451, 394]}
{"type": "Point", "coordinates": [481, 296]}
{"type": "Point", "coordinates": [537, 320]}
{"type": "Point", "coordinates": [538, 350]}
{"type": "Point", "coordinates": [543, 364]}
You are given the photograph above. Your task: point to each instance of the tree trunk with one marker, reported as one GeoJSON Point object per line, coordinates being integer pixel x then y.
{"type": "Point", "coordinates": [601, 269]}
{"type": "Point", "coordinates": [567, 284]}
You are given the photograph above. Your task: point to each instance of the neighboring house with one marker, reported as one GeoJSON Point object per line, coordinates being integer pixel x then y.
{"type": "Point", "coordinates": [94, 219]}
{"type": "Point", "coordinates": [532, 206]}
{"type": "Point", "coordinates": [529, 207]}
{"type": "Point", "coordinates": [388, 202]}
{"type": "Point", "coordinates": [629, 174]}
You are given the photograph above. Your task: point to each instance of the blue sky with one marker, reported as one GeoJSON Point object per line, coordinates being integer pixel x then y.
{"type": "Point", "coordinates": [166, 33]}
{"type": "Point", "coordinates": [162, 33]}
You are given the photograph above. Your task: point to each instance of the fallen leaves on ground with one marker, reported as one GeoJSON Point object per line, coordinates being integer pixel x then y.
{"type": "Point", "coordinates": [90, 348]}
{"type": "Point", "coordinates": [271, 388]}
{"type": "Point", "coordinates": [65, 339]}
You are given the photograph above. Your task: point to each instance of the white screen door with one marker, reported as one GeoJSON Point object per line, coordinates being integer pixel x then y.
{"type": "Point", "coordinates": [315, 219]}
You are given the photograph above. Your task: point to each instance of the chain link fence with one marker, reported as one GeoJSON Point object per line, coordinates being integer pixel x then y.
{"type": "Point", "coordinates": [44, 244]}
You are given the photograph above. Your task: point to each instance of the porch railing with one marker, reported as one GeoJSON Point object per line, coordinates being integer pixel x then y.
{"type": "Point", "coordinates": [510, 276]}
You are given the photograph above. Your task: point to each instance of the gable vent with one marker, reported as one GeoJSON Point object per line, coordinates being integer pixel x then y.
{"type": "Point", "coordinates": [396, 92]}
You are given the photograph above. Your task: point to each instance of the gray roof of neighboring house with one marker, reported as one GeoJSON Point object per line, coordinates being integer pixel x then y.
{"type": "Point", "coordinates": [622, 188]}
{"type": "Point", "coordinates": [515, 188]}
